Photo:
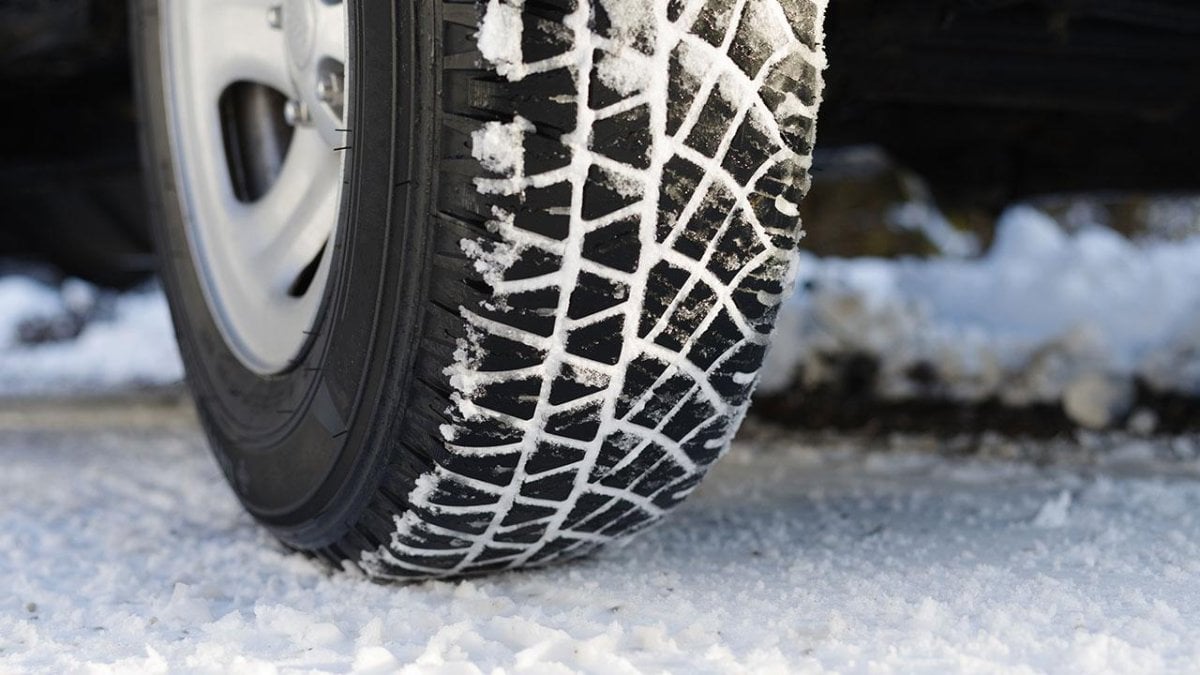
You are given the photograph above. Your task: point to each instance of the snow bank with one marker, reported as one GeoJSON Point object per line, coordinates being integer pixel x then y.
{"type": "Point", "coordinates": [74, 337]}
{"type": "Point", "coordinates": [1041, 314]}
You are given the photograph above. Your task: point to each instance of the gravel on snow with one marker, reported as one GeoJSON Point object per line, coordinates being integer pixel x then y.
{"type": "Point", "coordinates": [124, 551]}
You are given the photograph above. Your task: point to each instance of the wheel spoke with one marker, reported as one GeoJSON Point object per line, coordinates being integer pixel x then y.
{"type": "Point", "coordinates": [294, 220]}
{"type": "Point", "coordinates": [284, 262]}
{"type": "Point", "coordinates": [235, 42]}
{"type": "Point", "coordinates": [331, 31]}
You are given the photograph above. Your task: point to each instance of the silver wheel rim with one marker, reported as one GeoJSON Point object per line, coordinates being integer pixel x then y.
{"type": "Point", "coordinates": [262, 255]}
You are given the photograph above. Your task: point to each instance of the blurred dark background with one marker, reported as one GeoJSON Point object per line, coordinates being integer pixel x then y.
{"type": "Point", "coordinates": [70, 183]}
{"type": "Point", "coordinates": [968, 105]}
{"type": "Point", "coordinates": [980, 103]}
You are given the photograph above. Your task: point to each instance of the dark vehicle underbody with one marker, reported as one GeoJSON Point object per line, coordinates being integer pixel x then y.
{"type": "Point", "coordinates": [988, 100]}
{"type": "Point", "coordinates": [992, 100]}
{"type": "Point", "coordinates": [70, 189]}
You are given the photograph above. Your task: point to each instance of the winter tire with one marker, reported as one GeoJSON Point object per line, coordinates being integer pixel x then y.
{"type": "Point", "coordinates": [533, 316]}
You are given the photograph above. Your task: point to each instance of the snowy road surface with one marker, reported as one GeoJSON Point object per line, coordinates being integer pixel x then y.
{"type": "Point", "coordinates": [121, 549]}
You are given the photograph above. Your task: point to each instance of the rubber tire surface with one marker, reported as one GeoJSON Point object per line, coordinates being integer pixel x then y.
{"type": "Point", "coordinates": [564, 238]}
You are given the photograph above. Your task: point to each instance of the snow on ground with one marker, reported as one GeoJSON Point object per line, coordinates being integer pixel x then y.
{"type": "Point", "coordinates": [1042, 316]}
{"type": "Point", "coordinates": [123, 339]}
{"type": "Point", "coordinates": [123, 551]}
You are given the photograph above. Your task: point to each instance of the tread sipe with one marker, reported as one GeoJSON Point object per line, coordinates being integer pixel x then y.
{"type": "Point", "coordinates": [616, 225]}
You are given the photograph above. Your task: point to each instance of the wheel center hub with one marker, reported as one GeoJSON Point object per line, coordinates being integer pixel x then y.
{"type": "Point", "coordinates": [300, 30]}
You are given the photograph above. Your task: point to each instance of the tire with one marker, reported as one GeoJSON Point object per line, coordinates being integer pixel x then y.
{"type": "Point", "coordinates": [543, 317]}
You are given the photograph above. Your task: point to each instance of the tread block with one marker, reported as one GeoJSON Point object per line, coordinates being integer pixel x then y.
{"type": "Point", "coordinates": [700, 232]}
{"type": "Point", "coordinates": [663, 474]}
{"type": "Point", "coordinates": [713, 21]}
{"type": "Point", "coordinates": [613, 450]}
{"type": "Point", "coordinates": [737, 245]}
{"type": "Point", "coordinates": [594, 294]}
{"type": "Point", "coordinates": [664, 397]}
{"type": "Point", "coordinates": [522, 513]}
{"type": "Point", "coordinates": [666, 282]}
{"type": "Point", "coordinates": [640, 376]}
{"type": "Point", "coordinates": [601, 341]}
{"type": "Point", "coordinates": [545, 38]}
{"type": "Point", "coordinates": [751, 47]}
{"type": "Point", "coordinates": [532, 310]}
{"type": "Point", "coordinates": [707, 347]}
{"type": "Point", "coordinates": [680, 328]}
{"type": "Point", "coordinates": [716, 117]}
{"type": "Point", "coordinates": [580, 424]}
{"type": "Point", "coordinates": [691, 415]}
{"type": "Point", "coordinates": [616, 246]}
{"type": "Point", "coordinates": [682, 88]}
{"type": "Point", "coordinates": [549, 456]}
{"type": "Point", "coordinates": [552, 488]}
{"type": "Point", "coordinates": [497, 470]}
{"type": "Point", "coordinates": [530, 534]}
{"type": "Point", "coordinates": [496, 353]}
{"type": "Point", "coordinates": [477, 434]}
{"type": "Point", "coordinates": [584, 507]}
{"type": "Point", "coordinates": [533, 262]}
{"type": "Point", "coordinates": [454, 493]}
{"type": "Point", "coordinates": [600, 94]}
{"type": "Point", "coordinates": [625, 137]}
{"type": "Point", "coordinates": [751, 147]}
{"type": "Point", "coordinates": [627, 524]}
{"type": "Point", "coordinates": [543, 211]}
{"type": "Point", "coordinates": [547, 99]}
{"type": "Point", "coordinates": [605, 192]}
{"type": "Point", "coordinates": [605, 516]}
{"type": "Point", "coordinates": [517, 398]}
{"type": "Point", "coordinates": [572, 385]}
{"type": "Point", "coordinates": [681, 180]}
{"type": "Point", "coordinates": [731, 380]}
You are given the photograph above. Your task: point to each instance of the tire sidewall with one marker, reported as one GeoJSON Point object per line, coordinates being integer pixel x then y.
{"type": "Point", "coordinates": [301, 448]}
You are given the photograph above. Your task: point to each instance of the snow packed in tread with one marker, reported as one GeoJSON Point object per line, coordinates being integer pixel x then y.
{"type": "Point", "coordinates": [639, 191]}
